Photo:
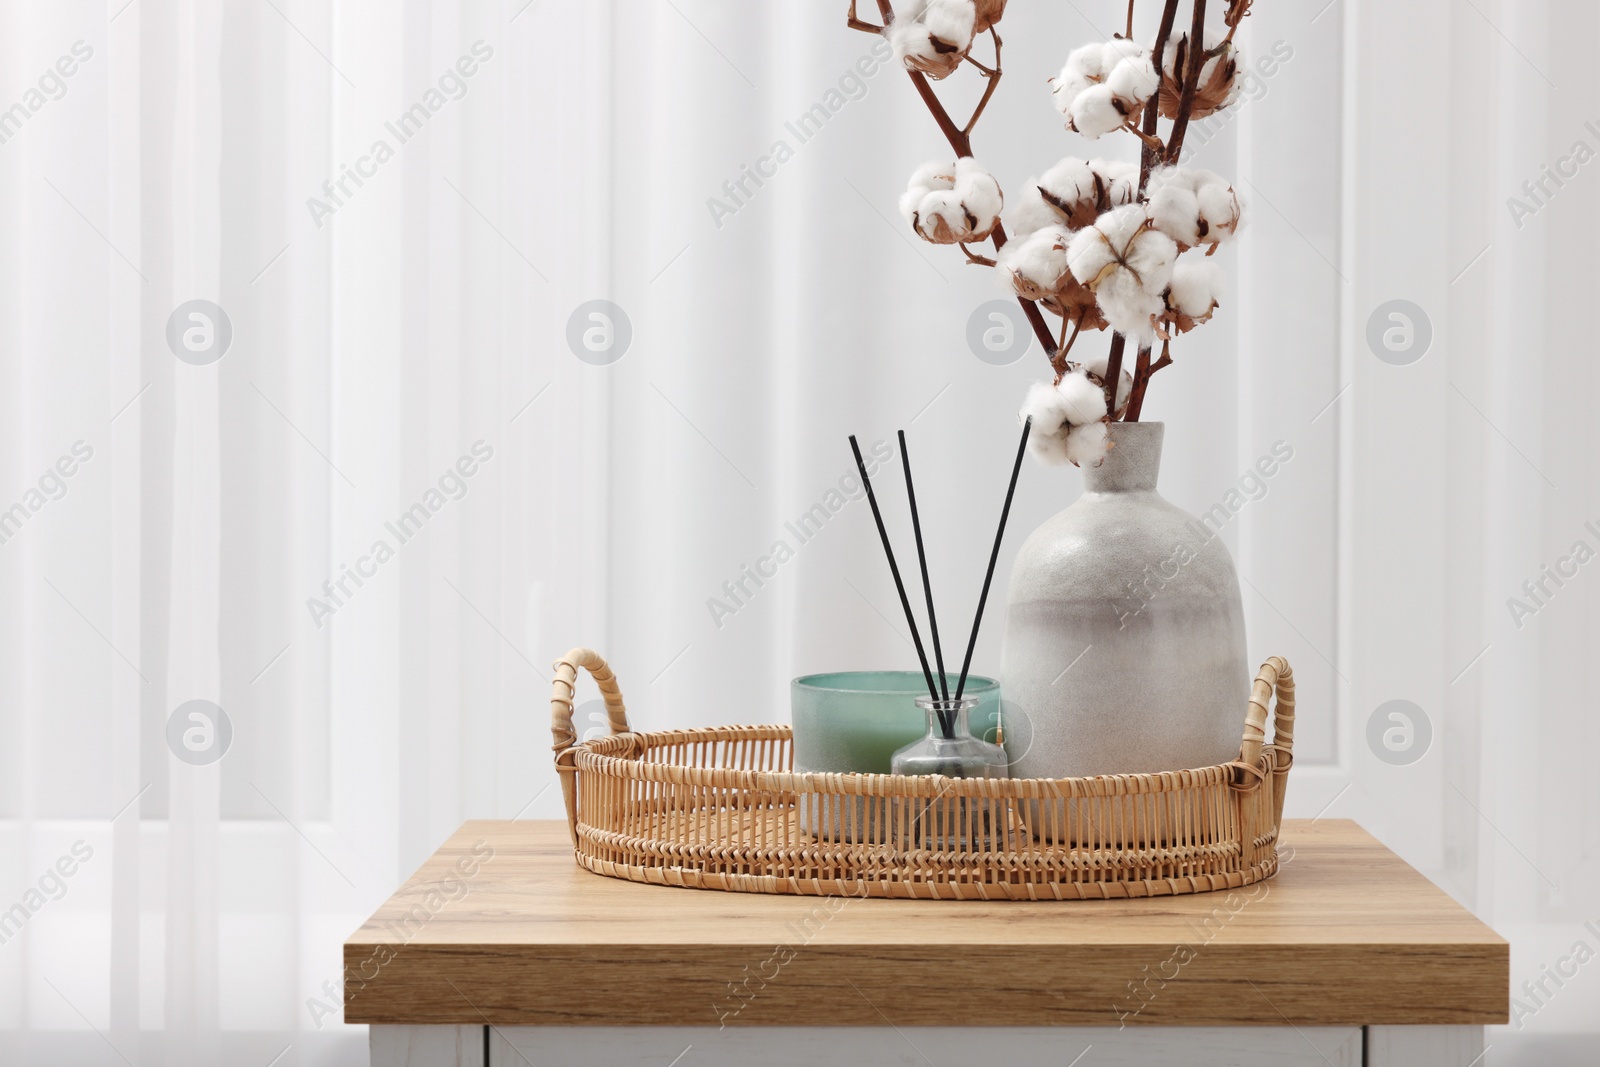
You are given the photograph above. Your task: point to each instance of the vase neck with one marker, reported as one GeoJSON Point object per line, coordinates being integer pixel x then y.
{"type": "Point", "coordinates": [1133, 461]}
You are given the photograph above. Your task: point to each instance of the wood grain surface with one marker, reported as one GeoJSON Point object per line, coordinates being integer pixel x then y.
{"type": "Point", "coordinates": [500, 926]}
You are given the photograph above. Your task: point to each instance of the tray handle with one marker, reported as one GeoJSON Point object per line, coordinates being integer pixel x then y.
{"type": "Point", "coordinates": [562, 689]}
{"type": "Point", "coordinates": [1275, 677]}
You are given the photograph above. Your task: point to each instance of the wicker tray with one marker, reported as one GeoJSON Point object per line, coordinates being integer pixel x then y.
{"type": "Point", "coordinates": [721, 808]}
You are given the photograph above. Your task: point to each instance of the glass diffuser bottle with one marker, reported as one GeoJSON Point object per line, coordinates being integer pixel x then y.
{"type": "Point", "coordinates": [948, 749]}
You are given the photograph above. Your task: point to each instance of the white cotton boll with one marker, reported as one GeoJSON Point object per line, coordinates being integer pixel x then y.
{"type": "Point", "coordinates": [1065, 193]}
{"type": "Point", "coordinates": [1161, 177]}
{"type": "Point", "coordinates": [1049, 449]}
{"type": "Point", "coordinates": [1219, 84]}
{"type": "Point", "coordinates": [1099, 365]}
{"type": "Point", "coordinates": [1168, 59]}
{"type": "Point", "coordinates": [1150, 254]}
{"type": "Point", "coordinates": [1085, 401]}
{"type": "Point", "coordinates": [933, 37]}
{"type": "Point", "coordinates": [950, 202]}
{"type": "Point", "coordinates": [951, 21]}
{"type": "Point", "coordinates": [912, 43]}
{"type": "Point", "coordinates": [1129, 306]}
{"type": "Point", "coordinates": [980, 192]}
{"type": "Point", "coordinates": [1088, 255]}
{"type": "Point", "coordinates": [1199, 178]}
{"type": "Point", "coordinates": [1128, 265]}
{"type": "Point", "coordinates": [1070, 179]}
{"type": "Point", "coordinates": [1133, 78]}
{"type": "Point", "coordinates": [1195, 288]}
{"type": "Point", "coordinates": [1118, 49]}
{"type": "Point", "coordinates": [910, 200]}
{"type": "Point", "coordinates": [940, 217]}
{"type": "Point", "coordinates": [1120, 227]}
{"type": "Point", "coordinates": [1047, 439]}
{"type": "Point", "coordinates": [1076, 191]}
{"type": "Point", "coordinates": [932, 175]}
{"type": "Point", "coordinates": [1081, 70]}
{"type": "Point", "coordinates": [1219, 210]}
{"type": "Point", "coordinates": [1029, 211]}
{"type": "Point", "coordinates": [1192, 206]}
{"type": "Point", "coordinates": [1087, 445]}
{"type": "Point", "coordinates": [1178, 41]}
{"type": "Point", "coordinates": [1035, 263]}
{"type": "Point", "coordinates": [1104, 85]}
{"type": "Point", "coordinates": [1094, 112]}
{"type": "Point", "coordinates": [1121, 179]}
{"type": "Point", "coordinates": [1174, 210]}
{"type": "Point", "coordinates": [1046, 407]}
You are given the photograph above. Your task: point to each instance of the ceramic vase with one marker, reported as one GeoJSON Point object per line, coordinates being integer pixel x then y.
{"type": "Point", "coordinates": [1124, 646]}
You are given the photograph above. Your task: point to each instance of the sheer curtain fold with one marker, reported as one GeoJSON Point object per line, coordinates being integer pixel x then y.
{"type": "Point", "coordinates": [411, 482]}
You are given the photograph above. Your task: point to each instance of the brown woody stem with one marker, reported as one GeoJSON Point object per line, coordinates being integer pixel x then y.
{"type": "Point", "coordinates": [855, 23]}
{"type": "Point", "coordinates": [1150, 155]}
{"type": "Point", "coordinates": [1150, 140]}
{"type": "Point", "coordinates": [988, 70]}
{"type": "Point", "coordinates": [988, 90]}
{"type": "Point", "coordinates": [1059, 360]}
{"type": "Point", "coordinates": [959, 142]}
{"type": "Point", "coordinates": [1141, 379]}
{"type": "Point", "coordinates": [1191, 81]}
{"type": "Point", "coordinates": [1114, 374]}
{"type": "Point", "coordinates": [1237, 10]}
{"type": "Point", "coordinates": [973, 257]}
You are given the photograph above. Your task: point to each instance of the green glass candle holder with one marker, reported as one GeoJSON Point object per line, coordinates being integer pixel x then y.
{"type": "Point", "coordinates": [854, 721]}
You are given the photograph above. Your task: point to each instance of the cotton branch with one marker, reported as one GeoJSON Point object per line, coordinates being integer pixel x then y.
{"type": "Point", "coordinates": [1149, 156]}
{"type": "Point", "coordinates": [974, 258]}
{"type": "Point", "coordinates": [1237, 10]}
{"type": "Point", "coordinates": [1191, 80]}
{"type": "Point", "coordinates": [1114, 372]}
{"type": "Point", "coordinates": [1141, 380]}
{"type": "Point", "coordinates": [1166, 357]}
{"type": "Point", "coordinates": [1141, 377]}
{"type": "Point", "coordinates": [961, 143]}
{"type": "Point", "coordinates": [1059, 360]}
{"type": "Point", "coordinates": [1150, 141]}
{"type": "Point", "coordinates": [1188, 68]}
{"type": "Point", "coordinates": [994, 81]}
{"type": "Point", "coordinates": [855, 23]}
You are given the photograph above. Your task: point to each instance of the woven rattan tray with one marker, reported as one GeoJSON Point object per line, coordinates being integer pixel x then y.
{"type": "Point", "coordinates": [721, 808]}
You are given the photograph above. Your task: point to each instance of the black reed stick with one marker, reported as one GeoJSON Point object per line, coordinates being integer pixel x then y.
{"type": "Point", "coordinates": [900, 587]}
{"type": "Point", "coordinates": [922, 561]}
{"type": "Point", "coordinates": [994, 554]}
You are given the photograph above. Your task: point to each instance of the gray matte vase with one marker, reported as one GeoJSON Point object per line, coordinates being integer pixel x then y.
{"type": "Point", "coordinates": [1124, 645]}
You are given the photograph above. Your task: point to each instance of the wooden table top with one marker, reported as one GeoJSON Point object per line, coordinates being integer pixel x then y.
{"type": "Point", "coordinates": [501, 926]}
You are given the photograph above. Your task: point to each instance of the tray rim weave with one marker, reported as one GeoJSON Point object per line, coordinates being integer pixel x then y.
{"type": "Point", "coordinates": [1253, 785]}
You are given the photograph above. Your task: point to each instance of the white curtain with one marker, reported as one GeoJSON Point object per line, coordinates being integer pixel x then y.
{"type": "Point", "coordinates": [406, 212]}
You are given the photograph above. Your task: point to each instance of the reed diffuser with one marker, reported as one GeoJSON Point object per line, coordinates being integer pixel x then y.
{"type": "Point", "coordinates": [949, 747]}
